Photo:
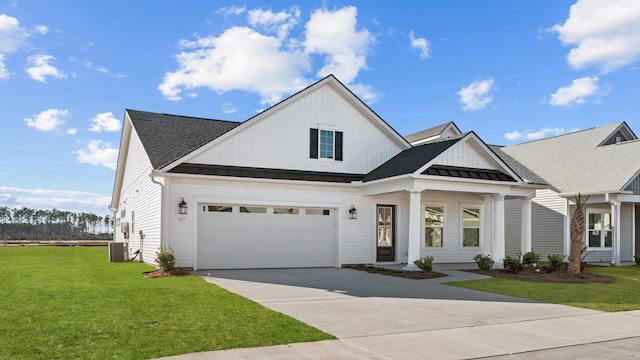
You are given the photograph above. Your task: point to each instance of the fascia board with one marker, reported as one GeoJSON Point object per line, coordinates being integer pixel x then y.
{"type": "Point", "coordinates": [123, 151]}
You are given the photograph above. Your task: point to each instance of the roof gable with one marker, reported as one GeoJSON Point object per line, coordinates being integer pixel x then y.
{"type": "Point", "coordinates": [621, 134]}
{"type": "Point", "coordinates": [441, 131]}
{"type": "Point", "coordinates": [462, 156]}
{"type": "Point", "coordinates": [330, 81]}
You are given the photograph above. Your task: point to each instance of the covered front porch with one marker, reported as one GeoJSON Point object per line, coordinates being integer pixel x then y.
{"type": "Point", "coordinates": [451, 220]}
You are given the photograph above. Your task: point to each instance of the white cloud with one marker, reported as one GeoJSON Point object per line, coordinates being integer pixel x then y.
{"type": "Point", "coordinates": [100, 153]}
{"type": "Point", "coordinates": [12, 35]}
{"type": "Point", "coordinates": [39, 68]}
{"type": "Point", "coordinates": [4, 73]}
{"type": "Point", "coordinates": [335, 34]}
{"type": "Point", "coordinates": [420, 44]}
{"type": "Point", "coordinates": [576, 93]}
{"type": "Point", "coordinates": [535, 135]}
{"type": "Point", "coordinates": [47, 120]}
{"type": "Point", "coordinates": [228, 108]}
{"type": "Point", "coordinates": [89, 65]}
{"type": "Point", "coordinates": [232, 10]}
{"type": "Point", "coordinates": [69, 200]}
{"type": "Point", "coordinates": [279, 23]}
{"type": "Point", "coordinates": [41, 29]}
{"type": "Point", "coordinates": [604, 33]}
{"type": "Point", "coordinates": [476, 95]}
{"type": "Point", "coordinates": [71, 131]}
{"type": "Point", "coordinates": [365, 92]}
{"type": "Point", "coordinates": [105, 122]}
{"type": "Point", "coordinates": [272, 66]}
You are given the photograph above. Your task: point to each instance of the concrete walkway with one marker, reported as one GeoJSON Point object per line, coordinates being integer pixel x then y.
{"type": "Point", "coordinates": [385, 317]}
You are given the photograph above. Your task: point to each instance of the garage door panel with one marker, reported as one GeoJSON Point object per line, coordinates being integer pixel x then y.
{"type": "Point", "coordinates": [265, 240]}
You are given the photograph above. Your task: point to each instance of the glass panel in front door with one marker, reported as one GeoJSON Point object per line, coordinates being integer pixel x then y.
{"type": "Point", "coordinates": [385, 226]}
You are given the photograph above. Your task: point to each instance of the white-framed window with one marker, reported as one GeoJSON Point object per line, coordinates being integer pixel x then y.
{"type": "Point", "coordinates": [326, 144]}
{"type": "Point", "coordinates": [433, 226]}
{"type": "Point", "coordinates": [471, 221]}
{"type": "Point", "coordinates": [599, 228]}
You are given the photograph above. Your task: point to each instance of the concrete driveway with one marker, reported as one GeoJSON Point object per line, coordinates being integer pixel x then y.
{"type": "Point", "coordinates": [385, 317]}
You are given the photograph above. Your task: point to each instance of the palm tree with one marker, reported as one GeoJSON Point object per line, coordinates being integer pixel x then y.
{"type": "Point", "coordinates": [577, 234]}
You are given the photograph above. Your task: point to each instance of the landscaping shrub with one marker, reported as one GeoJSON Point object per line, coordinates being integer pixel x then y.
{"type": "Point", "coordinates": [556, 260]}
{"type": "Point", "coordinates": [166, 258]}
{"type": "Point", "coordinates": [484, 262]}
{"type": "Point", "coordinates": [530, 258]}
{"type": "Point", "coordinates": [637, 259]}
{"type": "Point", "coordinates": [512, 264]}
{"type": "Point", "coordinates": [425, 264]}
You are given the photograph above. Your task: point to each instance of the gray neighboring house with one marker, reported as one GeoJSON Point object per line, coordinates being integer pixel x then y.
{"type": "Point", "coordinates": [603, 163]}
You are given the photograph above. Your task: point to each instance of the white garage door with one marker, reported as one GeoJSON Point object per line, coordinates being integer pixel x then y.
{"type": "Point", "coordinates": [243, 237]}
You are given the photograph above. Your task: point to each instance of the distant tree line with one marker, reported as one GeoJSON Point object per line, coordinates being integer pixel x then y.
{"type": "Point", "coordinates": [33, 224]}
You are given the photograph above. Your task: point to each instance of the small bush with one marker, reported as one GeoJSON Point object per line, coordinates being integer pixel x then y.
{"type": "Point", "coordinates": [556, 260]}
{"type": "Point", "coordinates": [484, 262]}
{"type": "Point", "coordinates": [166, 258]}
{"type": "Point", "coordinates": [512, 264]}
{"type": "Point", "coordinates": [530, 258]}
{"type": "Point", "coordinates": [425, 264]}
{"type": "Point", "coordinates": [637, 259]}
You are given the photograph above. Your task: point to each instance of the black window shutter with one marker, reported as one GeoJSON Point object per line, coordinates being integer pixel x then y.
{"type": "Point", "coordinates": [313, 143]}
{"type": "Point", "coordinates": [338, 154]}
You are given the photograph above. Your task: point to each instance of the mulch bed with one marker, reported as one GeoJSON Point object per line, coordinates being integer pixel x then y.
{"type": "Point", "coordinates": [557, 276]}
{"type": "Point", "coordinates": [415, 275]}
{"type": "Point", "coordinates": [162, 274]}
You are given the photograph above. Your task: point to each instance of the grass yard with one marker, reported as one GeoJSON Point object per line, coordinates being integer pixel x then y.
{"type": "Point", "coordinates": [623, 294]}
{"type": "Point", "coordinates": [71, 303]}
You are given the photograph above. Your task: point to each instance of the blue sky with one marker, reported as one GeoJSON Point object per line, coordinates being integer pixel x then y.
{"type": "Point", "coordinates": [511, 71]}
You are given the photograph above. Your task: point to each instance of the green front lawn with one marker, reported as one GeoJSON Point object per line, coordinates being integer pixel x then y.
{"type": "Point", "coordinates": [71, 303]}
{"type": "Point", "coordinates": [623, 294]}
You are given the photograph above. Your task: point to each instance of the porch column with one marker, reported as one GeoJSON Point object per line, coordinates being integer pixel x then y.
{"type": "Point", "coordinates": [415, 224]}
{"type": "Point", "coordinates": [498, 251]}
{"type": "Point", "coordinates": [567, 229]}
{"type": "Point", "coordinates": [525, 235]}
{"type": "Point", "coordinates": [615, 242]}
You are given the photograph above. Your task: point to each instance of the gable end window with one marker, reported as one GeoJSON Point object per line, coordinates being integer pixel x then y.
{"type": "Point", "coordinates": [325, 144]}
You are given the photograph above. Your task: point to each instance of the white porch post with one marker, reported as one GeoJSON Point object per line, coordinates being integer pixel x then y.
{"type": "Point", "coordinates": [525, 235]}
{"type": "Point", "coordinates": [498, 248]}
{"type": "Point", "coordinates": [567, 229]}
{"type": "Point", "coordinates": [415, 224]}
{"type": "Point", "coordinates": [615, 252]}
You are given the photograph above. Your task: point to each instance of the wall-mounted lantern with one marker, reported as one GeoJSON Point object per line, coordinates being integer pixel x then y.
{"type": "Point", "coordinates": [353, 212]}
{"type": "Point", "coordinates": [182, 207]}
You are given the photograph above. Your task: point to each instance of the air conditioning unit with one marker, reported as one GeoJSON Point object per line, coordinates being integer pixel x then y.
{"type": "Point", "coordinates": [118, 251]}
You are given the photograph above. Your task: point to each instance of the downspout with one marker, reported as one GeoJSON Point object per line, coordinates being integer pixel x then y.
{"type": "Point", "coordinates": [162, 222]}
{"type": "Point", "coordinates": [113, 221]}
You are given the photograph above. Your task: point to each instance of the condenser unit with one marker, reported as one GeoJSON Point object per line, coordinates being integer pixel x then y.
{"type": "Point", "coordinates": [118, 251]}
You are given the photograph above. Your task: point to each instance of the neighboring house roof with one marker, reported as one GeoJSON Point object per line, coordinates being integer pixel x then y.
{"type": "Point", "coordinates": [431, 132]}
{"type": "Point", "coordinates": [169, 137]}
{"type": "Point", "coordinates": [524, 172]}
{"type": "Point", "coordinates": [576, 162]}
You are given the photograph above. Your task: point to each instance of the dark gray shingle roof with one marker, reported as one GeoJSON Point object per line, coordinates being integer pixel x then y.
{"type": "Point", "coordinates": [263, 173]}
{"type": "Point", "coordinates": [167, 138]}
{"type": "Point", "coordinates": [410, 160]}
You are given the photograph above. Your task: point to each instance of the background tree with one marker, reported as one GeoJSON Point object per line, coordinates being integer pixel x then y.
{"type": "Point", "coordinates": [577, 234]}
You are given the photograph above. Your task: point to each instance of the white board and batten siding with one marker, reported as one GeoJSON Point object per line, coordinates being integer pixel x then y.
{"type": "Point", "coordinates": [140, 202]}
{"type": "Point", "coordinates": [466, 154]}
{"type": "Point", "coordinates": [353, 236]}
{"type": "Point", "coordinates": [280, 140]}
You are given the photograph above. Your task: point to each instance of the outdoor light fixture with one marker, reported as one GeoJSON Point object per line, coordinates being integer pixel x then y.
{"type": "Point", "coordinates": [182, 207]}
{"type": "Point", "coordinates": [353, 212]}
